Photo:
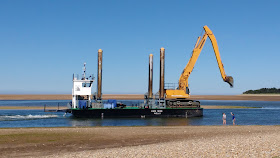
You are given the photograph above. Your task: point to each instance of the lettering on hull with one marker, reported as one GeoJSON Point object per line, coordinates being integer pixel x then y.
{"type": "Point", "coordinates": [157, 112]}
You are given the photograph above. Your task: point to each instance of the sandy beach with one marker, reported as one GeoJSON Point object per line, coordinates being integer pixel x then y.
{"type": "Point", "coordinates": [258, 97]}
{"type": "Point", "coordinates": [161, 141]}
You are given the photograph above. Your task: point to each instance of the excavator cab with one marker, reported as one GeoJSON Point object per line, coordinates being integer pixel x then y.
{"type": "Point", "coordinates": [187, 90]}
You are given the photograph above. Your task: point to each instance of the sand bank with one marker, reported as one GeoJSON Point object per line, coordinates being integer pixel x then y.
{"type": "Point", "coordinates": [237, 97]}
{"type": "Point", "coordinates": [64, 107]}
{"type": "Point", "coordinates": [31, 107]}
{"type": "Point", "coordinates": [68, 97]}
{"type": "Point", "coordinates": [176, 141]}
{"type": "Point", "coordinates": [141, 97]}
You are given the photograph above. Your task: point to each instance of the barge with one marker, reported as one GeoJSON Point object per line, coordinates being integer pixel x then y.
{"type": "Point", "coordinates": [84, 104]}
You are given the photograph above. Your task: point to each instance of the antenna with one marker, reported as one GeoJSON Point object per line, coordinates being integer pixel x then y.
{"type": "Point", "coordinates": [84, 69]}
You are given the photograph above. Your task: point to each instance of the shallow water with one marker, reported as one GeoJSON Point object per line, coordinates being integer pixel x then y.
{"type": "Point", "coordinates": [267, 113]}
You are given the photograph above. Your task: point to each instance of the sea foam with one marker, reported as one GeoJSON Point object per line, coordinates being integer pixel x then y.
{"type": "Point", "coordinates": [25, 117]}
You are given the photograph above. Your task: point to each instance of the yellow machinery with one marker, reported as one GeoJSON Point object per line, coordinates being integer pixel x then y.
{"type": "Point", "coordinates": [180, 95]}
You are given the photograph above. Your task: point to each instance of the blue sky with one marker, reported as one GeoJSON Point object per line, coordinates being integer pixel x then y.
{"type": "Point", "coordinates": [42, 43]}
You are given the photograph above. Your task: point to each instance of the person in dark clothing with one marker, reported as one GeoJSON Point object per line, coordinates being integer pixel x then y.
{"type": "Point", "coordinates": [233, 118]}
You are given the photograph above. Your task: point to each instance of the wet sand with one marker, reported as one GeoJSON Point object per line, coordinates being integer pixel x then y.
{"type": "Point", "coordinates": [162, 141]}
{"type": "Point", "coordinates": [141, 97]}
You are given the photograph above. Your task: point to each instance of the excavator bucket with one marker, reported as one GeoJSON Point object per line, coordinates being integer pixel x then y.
{"type": "Point", "coordinates": [229, 80]}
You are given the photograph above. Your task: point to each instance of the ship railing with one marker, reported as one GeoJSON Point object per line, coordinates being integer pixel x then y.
{"type": "Point", "coordinates": [60, 107]}
{"type": "Point", "coordinates": [83, 104]}
{"type": "Point", "coordinates": [78, 77]}
{"type": "Point", "coordinates": [130, 103]}
{"type": "Point", "coordinates": [171, 85]}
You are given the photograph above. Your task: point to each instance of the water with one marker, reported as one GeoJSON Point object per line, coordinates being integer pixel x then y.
{"type": "Point", "coordinates": [267, 113]}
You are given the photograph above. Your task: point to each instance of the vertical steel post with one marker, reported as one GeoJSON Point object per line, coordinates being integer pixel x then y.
{"type": "Point", "coordinates": [150, 88]}
{"type": "Point", "coordinates": [99, 82]}
{"type": "Point", "coordinates": [161, 82]}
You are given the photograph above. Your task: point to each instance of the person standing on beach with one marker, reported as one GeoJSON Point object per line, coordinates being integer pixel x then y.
{"type": "Point", "coordinates": [233, 118]}
{"type": "Point", "coordinates": [224, 119]}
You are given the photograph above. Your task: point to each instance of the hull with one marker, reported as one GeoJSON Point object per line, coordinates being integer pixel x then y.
{"type": "Point", "coordinates": [136, 113]}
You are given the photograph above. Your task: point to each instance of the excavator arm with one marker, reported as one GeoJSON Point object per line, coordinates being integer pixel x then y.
{"type": "Point", "coordinates": [213, 40]}
{"type": "Point", "coordinates": [183, 81]}
{"type": "Point", "coordinates": [182, 91]}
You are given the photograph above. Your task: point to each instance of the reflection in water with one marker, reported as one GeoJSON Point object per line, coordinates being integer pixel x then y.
{"type": "Point", "coordinates": [78, 122]}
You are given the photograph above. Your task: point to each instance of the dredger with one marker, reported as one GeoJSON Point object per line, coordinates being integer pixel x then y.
{"type": "Point", "coordinates": [168, 102]}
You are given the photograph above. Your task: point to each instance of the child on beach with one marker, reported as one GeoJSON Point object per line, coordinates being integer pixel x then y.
{"type": "Point", "coordinates": [224, 119]}
{"type": "Point", "coordinates": [233, 118]}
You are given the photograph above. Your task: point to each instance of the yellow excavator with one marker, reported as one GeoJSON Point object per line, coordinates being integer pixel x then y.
{"type": "Point", "coordinates": [180, 96]}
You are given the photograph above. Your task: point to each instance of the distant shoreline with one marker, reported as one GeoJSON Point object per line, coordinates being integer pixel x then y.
{"type": "Point", "coordinates": [255, 97]}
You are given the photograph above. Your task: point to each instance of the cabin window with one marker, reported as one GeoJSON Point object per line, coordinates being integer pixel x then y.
{"type": "Point", "coordinates": [86, 84]}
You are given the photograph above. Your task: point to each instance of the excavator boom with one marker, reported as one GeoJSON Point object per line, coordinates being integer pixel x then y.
{"type": "Point", "coordinates": [183, 91]}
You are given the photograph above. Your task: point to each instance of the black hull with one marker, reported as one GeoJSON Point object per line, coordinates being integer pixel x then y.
{"type": "Point", "coordinates": [136, 113]}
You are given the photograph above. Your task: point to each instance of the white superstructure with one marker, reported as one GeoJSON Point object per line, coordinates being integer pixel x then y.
{"type": "Point", "coordinates": [81, 91]}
